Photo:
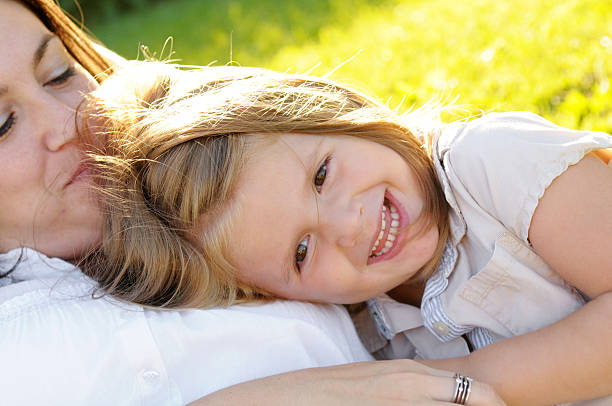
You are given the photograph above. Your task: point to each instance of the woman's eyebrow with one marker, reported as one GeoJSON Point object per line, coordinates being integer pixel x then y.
{"type": "Point", "coordinates": [38, 56]}
{"type": "Point", "coordinates": [42, 48]}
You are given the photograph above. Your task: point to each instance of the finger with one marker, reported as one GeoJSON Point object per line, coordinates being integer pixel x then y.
{"type": "Point", "coordinates": [480, 394]}
{"type": "Point", "coordinates": [483, 394]}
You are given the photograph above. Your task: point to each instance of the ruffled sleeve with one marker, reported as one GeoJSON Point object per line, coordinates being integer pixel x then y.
{"type": "Point", "coordinates": [504, 162]}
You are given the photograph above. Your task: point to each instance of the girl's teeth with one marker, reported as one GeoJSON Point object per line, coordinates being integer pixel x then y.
{"type": "Point", "coordinates": [377, 250]}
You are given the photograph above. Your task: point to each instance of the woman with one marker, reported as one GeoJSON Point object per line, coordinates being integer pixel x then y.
{"type": "Point", "coordinates": [116, 353]}
{"type": "Point", "coordinates": [66, 222]}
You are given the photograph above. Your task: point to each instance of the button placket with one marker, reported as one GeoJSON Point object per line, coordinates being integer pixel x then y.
{"type": "Point", "coordinates": [441, 328]}
{"type": "Point", "coordinates": [150, 377]}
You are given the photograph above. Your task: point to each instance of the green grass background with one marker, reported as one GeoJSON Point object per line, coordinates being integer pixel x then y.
{"type": "Point", "coordinates": [552, 57]}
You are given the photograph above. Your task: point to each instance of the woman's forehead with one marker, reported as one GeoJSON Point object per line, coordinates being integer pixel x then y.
{"type": "Point", "coordinates": [17, 21]}
{"type": "Point", "coordinates": [23, 37]}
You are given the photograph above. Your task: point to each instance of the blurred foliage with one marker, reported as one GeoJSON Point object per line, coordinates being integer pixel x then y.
{"type": "Point", "coordinates": [552, 57]}
{"type": "Point", "coordinates": [101, 10]}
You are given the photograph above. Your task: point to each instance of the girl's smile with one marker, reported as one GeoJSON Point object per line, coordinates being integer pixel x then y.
{"type": "Point", "coordinates": [327, 218]}
{"type": "Point", "coordinates": [393, 219]}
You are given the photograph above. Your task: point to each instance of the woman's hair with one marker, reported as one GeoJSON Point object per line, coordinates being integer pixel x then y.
{"type": "Point", "coordinates": [77, 42]}
{"type": "Point", "coordinates": [175, 145]}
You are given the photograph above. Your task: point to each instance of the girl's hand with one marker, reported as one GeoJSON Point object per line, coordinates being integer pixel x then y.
{"type": "Point", "coordinates": [380, 383]}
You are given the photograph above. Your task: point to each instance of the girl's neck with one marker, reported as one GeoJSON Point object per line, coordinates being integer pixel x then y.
{"type": "Point", "coordinates": [410, 292]}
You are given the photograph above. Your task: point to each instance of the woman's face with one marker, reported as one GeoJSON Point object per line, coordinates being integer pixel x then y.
{"type": "Point", "coordinates": [329, 219]}
{"type": "Point", "coordinates": [46, 200]}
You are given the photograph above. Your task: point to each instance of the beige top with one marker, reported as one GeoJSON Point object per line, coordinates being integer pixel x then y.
{"type": "Point", "coordinates": [490, 284]}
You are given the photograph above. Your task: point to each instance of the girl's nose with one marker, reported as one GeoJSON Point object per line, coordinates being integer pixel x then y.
{"type": "Point", "coordinates": [345, 223]}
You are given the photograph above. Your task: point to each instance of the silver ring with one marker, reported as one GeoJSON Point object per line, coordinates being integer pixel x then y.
{"type": "Point", "coordinates": [463, 388]}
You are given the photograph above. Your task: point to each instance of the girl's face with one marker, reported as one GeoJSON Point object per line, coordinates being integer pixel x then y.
{"type": "Point", "coordinates": [46, 201]}
{"type": "Point", "coordinates": [328, 219]}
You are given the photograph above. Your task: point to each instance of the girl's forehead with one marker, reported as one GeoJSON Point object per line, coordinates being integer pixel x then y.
{"type": "Point", "coordinates": [276, 142]}
{"type": "Point", "coordinates": [283, 153]}
{"type": "Point", "coordinates": [258, 143]}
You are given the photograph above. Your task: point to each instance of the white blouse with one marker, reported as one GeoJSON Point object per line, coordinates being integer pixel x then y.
{"type": "Point", "coordinates": [59, 346]}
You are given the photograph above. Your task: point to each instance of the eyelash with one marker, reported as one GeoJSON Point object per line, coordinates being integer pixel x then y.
{"type": "Point", "coordinates": [58, 80]}
{"type": "Point", "coordinates": [8, 124]}
{"type": "Point", "coordinates": [302, 248]}
{"type": "Point", "coordinates": [63, 77]}
{"type": "Point", "coordinates": [322, 169]}
{"type": "Point", "coordinates": [301, 251]}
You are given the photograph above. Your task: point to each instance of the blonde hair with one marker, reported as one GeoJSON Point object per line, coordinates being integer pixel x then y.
{"type": "Point", "coordinates": [174, 147]}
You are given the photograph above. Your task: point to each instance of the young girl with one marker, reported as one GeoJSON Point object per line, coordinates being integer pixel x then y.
{"type": "Point", "coordinates": [235, 184]}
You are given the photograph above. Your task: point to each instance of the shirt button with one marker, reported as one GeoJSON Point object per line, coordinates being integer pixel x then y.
{"type": "Point", "coordinates": [150, 377]}
{"type": "Point", "coordinates": [441, 328]}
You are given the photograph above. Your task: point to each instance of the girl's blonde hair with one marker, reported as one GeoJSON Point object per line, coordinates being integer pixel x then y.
{"type": "Point", "coordinates": [174, 148]}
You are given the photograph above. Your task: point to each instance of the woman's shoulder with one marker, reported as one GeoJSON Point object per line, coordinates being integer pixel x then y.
{"type": "Point", "coordinates": [56, 333]}
{"type": "Point", "coordinates": [39, 288]}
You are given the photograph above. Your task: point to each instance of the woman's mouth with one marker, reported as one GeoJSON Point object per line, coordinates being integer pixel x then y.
{"type": "Point", "coordinates": [387, 243]}
{"type": "Point", "coordinates": [82, 171]}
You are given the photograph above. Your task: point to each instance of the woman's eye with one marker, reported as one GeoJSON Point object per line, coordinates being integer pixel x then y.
{"type": "Point", "coordinates": [7, 125]}
{"type": "Point", "coordinates": [301, 251]}
{"type": "Point", "coordinates": [62, 78]}
{"type": "Point", "coordinates": [320, 176]}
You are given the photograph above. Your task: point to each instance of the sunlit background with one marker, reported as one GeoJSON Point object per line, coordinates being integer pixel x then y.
{"type": "Point", "coordinates": [552, 57]}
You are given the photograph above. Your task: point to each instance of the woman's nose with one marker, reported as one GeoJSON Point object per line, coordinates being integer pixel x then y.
{"type": "Point", "coordinates": [345, 223]}
{"type": "Point", "coordinates": [58, 124]}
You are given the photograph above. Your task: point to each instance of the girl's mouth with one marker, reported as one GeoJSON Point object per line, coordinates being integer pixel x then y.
{"type": "Point", "coordinates": [392, 219]}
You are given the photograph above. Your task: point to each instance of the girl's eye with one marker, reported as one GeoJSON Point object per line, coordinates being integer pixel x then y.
{"type": "Point", "coordinates": [301, 251]}
{"type": "Point", "coordinates": [62, 78]}
{"type": "Point", "coordinates": [8, 124]}
{"type": "Point", "coordinates": [320, 176]}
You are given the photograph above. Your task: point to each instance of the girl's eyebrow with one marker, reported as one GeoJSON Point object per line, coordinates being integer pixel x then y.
{"type": "Point", "coordinates": [41, 49]}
